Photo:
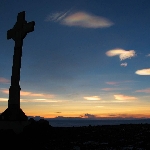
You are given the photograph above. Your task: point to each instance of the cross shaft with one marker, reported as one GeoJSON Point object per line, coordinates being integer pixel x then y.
{"type": "Point", "coordinates": [17, 33]}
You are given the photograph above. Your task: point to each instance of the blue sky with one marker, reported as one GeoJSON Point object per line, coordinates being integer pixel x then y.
{"type": "Point", "coordinates": [83, 57]}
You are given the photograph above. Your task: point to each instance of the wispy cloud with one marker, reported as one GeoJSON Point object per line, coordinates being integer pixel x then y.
{"type": "Point", "coordinates": [143, 72]}
{"type": "Point", "coordinates": [119, 82]}
{"type": "Point", "coordinates": [39, 100]}
{"type": "Point", "coordinates": [99, 106]}
{"type": "Point", "coordinates": [144, 90]}
{"type": "Point", "coordinates": [127, 116]}
{"type": "Point", "coordinates": [123, 54]}
{"type": "Point", "coordinates": [148, 55]}
{"type": "Point", "coordinates": [58, 16]}
{"type": "Point", "coordinates": [108, 89]}
{"type": "Point", "coordinates": [6, 91]}
{"type": "Point", "coordinates": [124, 97]}
{"type": "Point", "coordinates": [4, 80]}
{"type": "Point", "coordinates": [31, 94]}
{"type": "Point", "coordinates": [3, 99]}
{"type": "Point", "coordinates": [92, 98]}
{"type": "Point", "coordinates": [124, 64]}
{"type": "Point", "coordinates": [81, 19]}
{"type": "Point", "coordinates": [112, 83]}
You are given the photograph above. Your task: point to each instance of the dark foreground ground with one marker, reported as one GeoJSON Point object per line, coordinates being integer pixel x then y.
{"type": "Point", "coordinates": [44, 137]}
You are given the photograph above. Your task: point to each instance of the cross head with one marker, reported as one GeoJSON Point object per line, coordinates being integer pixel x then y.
{"type": "Point", "coordinates": [21, 28]}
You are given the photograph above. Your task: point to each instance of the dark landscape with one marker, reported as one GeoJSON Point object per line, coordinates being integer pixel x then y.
{"type": "Point", "coordinates": [41, 135]}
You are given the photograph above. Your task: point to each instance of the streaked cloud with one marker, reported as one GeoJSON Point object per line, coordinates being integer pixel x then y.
{"type": "Point", "coordinates": [123, 64]}
{"type": "Point", "coordinates": [112, 89]}
{"type": "Point", "coordinates": [92, 98]}
{"type": "Point", "coordinates": [123, 54]}
{"type": "Point", "coordinates": [3, 99]}
{"type": "Point", "coordinates": [37, 94]}
{"type": "Point", "coordinates": [99, 106]}
{"type": "Point", "coordinates": [120, 101]}
{"type": "Point", "coordinates": [124, 97]}
{"type": "Point", "coordinates": [4, 80]}
{"type": "Point", "coordinates": [6, 91]}
{"type": "Point", "coordinates": [39, 100]}
{"type": "Point", "coordinates": [31, 94]}
{"type": "Point", "coordinates": [143, 72]}
{"type": "Point", "coordinates": [144, 90]}
{"type": "Point", "coordinates": [112, 83]}
{"type": "Point", "coordinates": [116, 83]}
{"type": "Point", "coordinates": [108, 89]}
{"type": "Point", "coordinates": [80, 19]}
{"type": "Point", "coordinates": [58, 16]}
{"type": "Point", "coordinates": [24, 93]}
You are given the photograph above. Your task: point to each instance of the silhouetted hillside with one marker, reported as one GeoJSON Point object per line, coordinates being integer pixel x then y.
{"type": "Point", "coordinates": [41, 135]}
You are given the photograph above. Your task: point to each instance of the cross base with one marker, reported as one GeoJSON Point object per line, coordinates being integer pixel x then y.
{"type": "Point", "coordinates": [16, 126]}
{"type": "Point", "coordinates": [11, 114]}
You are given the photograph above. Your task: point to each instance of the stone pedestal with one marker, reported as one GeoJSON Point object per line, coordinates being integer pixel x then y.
{"type": "Point", "coordinates": [13, 114]}
{"type": "Point", "coordinates": [16, 126]}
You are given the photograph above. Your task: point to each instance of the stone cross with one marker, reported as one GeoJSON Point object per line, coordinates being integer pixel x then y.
{"type": "Point", "coordinates": [17, 33]}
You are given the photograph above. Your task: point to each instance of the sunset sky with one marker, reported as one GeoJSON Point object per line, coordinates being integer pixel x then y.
{"type": "Point", "coordinates": [85, 58]}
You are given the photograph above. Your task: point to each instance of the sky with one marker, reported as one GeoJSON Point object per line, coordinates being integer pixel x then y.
{"type": "Point", "coordinates": [87, 59]}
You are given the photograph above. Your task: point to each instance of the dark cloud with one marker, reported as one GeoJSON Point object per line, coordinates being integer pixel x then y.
{"type": "Point", "coordinates": [89, 116]}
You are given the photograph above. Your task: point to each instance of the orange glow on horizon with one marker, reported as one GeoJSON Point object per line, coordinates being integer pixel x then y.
{"type": "Point", "coordinates": [42, 113]}
{"type": "Point", "coordinates": [102, 116]}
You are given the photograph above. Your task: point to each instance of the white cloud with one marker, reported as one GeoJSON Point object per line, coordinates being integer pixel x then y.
{"type": "Point", "coordinates": [81, 19]}
{"type": "Point", "coordinates": [124, 64]}
{"type": "Point", "coordinates": [92, 98]}
{"type": "Point", "coordinates": [143, 72]}
{"type": "Point", "coordinates": [124, 97]}
{"type": "Point", "coordinates": [123, 54]}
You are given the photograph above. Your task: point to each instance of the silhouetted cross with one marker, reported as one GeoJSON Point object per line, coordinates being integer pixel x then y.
{"type": "Point", "coordinates": [21, 28]}
{"type": "Point", "coordinates": [17, 33]}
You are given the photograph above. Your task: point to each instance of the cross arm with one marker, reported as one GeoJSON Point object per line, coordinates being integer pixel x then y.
{"type": "Point", "coordinates": [29, 27]}
{"type": "Point", "coordinates": [10, 34]}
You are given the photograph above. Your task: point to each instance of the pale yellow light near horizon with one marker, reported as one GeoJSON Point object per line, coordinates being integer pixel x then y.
{"type": "Point", "coordinates": [107, 108]}
{"type": "Point", "coordinates": [50, 105]}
